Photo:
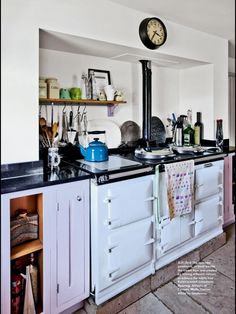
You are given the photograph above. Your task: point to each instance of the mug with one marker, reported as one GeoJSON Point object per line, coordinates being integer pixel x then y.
{"type": "Point", "coordinates": [64, 93]}
{"type": "Point", "coordinates": [75, 93]}
{"type": "Point", "coordinates": [53, 157]}
{"type": "Point", "coordinates": [110, 92]}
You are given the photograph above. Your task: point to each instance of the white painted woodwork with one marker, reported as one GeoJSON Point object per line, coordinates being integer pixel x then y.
{"type": "Point", "coordinates": [70, 247]}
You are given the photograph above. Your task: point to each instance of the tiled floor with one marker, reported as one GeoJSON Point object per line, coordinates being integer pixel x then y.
{"type": "Point", "coordinates": [218, 271]}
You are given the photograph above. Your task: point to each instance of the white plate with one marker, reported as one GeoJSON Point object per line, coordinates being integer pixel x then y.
{"type": "Point", "coordinates": [113, 134]}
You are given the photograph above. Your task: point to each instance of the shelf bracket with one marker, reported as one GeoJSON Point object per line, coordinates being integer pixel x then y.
{"type": "Point", "coordinates": [111, 109]}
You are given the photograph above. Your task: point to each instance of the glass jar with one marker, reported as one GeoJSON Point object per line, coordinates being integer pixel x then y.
{"type": "Point", "coordinates": [53, 88]}
{"type": "Point", "coordinates": [42, 88]}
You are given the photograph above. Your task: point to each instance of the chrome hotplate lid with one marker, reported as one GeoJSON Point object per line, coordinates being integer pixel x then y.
{"type": "Point", "coordinates": [112, 164]}
{"type": "Point", "coordinates": [155, 154]}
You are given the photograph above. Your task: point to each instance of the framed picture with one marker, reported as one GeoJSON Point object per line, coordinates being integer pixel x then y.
{"type": "Point", "coordinates": [102, 78]}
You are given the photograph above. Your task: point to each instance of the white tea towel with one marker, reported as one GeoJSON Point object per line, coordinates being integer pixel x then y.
{"type": "Point", "coordinates": [29, 306]}
{"type": "Point", "coordinates": [180, 181]}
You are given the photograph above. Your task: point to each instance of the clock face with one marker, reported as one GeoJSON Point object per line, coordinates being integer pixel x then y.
{"type": "Point", "coordinates": [156, 32]}
{"type": "Point", "coordinates": [152, 32]}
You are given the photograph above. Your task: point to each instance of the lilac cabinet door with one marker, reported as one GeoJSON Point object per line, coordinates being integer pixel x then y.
{"type": "Point", "coordinates": [70, 246]}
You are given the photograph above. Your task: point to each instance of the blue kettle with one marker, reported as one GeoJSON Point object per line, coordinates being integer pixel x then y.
{"type": "Point", "coordinates": [96, 151]}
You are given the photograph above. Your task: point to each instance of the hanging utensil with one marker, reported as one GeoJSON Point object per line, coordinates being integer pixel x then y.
{"type": "Point", "coordinates": [79, 126]}
{"type": "Point", "coordinates": [64, 136]}
{"type": "Point", "coordinates": [51, 114]}
{"type": "Point", "coordinates": [85, 120]}
{"type": "Point", "coordinates": [71, 121]}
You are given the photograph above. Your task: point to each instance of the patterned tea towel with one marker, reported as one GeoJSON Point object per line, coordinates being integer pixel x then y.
{"type": "Point", "coordinates": [179, 181]}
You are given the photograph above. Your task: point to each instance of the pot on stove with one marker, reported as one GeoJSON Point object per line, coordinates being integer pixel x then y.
{"type": "Point", "coordinates": [96, 151]}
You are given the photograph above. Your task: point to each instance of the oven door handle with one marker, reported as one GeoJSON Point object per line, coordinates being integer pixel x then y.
{"type": "Point", "coordinates": [110, 222]}
{"type": "Point", "coordinates": [112, 273]}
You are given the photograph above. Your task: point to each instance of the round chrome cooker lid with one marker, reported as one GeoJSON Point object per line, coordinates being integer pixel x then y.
{"type": "Point", "coordinates": [154, 153]}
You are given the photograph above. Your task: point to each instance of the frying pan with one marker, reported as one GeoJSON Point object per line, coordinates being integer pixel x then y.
{"type": "Point", "coordinates": [158, 132]}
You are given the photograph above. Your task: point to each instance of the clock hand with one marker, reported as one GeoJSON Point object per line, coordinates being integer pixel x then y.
{"type": "Point", "coordinates": [157, 34]}
{"type": "Point", "coordinates": [153, 35]}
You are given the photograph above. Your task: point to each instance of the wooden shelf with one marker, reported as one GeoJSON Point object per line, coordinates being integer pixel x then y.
{"type": "Point", "coordinates": [81, 101]}
{"type": "Point", "coordinates": [26, 248]}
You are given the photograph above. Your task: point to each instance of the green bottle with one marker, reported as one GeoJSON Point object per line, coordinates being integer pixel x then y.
{"type": "Point", "coordinates": [188, 136]}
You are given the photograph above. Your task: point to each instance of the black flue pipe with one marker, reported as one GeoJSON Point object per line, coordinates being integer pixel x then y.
{"type": "Point", "coordinates": [147, 100]}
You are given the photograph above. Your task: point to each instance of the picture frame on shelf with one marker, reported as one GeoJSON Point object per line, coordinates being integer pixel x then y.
{"type": "Point", "coordinates": [102, 78]}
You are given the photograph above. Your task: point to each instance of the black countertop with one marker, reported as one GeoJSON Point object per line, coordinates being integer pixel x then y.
{"type": "Point", "coordinates": [30, 175]}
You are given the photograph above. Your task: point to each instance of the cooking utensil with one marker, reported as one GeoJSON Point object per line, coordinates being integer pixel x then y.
{"type": "Point", "coordinates": [64, 136]}
{"type": "Point", "coordinates": [130, 132]}
{"type": "Point", "coordinates": [54, 129]}
{"type": "Point", "coordinates": [42, 122]}
{"type": "Point", "coordinates": [96, 151]}
{"type": "Point", "coordinates": [71, 120]}
{"type": "Point", "coordinates": [46, 132]}
{"type": "Point", "coordinates": [158, 132]}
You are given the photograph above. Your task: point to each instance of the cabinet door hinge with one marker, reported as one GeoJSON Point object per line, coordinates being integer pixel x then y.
{"type": "Point", "coordinates": [58, 288]}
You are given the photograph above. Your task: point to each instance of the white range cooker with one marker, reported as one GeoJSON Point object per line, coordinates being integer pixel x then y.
{"type": "Point", "coordinates": [131, 233]}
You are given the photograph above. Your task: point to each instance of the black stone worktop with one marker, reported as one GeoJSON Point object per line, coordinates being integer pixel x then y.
{"type": "Point", "coordinates": [30, 175]}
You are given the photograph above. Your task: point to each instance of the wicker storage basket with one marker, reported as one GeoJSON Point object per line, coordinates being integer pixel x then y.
{"type": "Point", "coordinates": [24, 227]}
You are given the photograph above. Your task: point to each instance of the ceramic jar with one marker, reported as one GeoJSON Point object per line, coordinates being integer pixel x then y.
{"type": "Point", "coordinates": [42, 88]}
{"type": "Point", "coordinates": [53, 88]}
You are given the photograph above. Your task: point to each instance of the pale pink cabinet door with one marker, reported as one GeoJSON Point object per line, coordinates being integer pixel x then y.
{"type": "Point", "coordinates": [229, 215]}
{"type": "Point", "coordinates": [72, 243]}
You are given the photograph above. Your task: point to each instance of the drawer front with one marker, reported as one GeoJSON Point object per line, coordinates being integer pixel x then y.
{"type": "Point", "coordinates": [208, 181]}
{"type": "Point", "coordinates": [208, 214]}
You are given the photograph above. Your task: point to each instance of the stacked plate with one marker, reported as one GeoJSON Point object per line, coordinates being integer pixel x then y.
{"type": "Point", "coordinates": [130, 133]}
{"type": "Point", "coordinates": [112, 136]}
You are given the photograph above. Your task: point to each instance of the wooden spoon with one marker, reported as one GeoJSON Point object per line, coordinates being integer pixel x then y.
{"type": "Point", "coordinates": [42, 122]}
{"type": "Point", "coordinates": [54, 129]}
{"type": "Point", "coordinates": [45, 130]}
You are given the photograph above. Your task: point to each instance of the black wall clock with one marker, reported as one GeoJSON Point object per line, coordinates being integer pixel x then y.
{"type": "Point", "coordinates": [152, 32]}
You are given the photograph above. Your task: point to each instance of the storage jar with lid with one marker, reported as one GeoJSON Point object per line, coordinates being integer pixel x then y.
{"type": "Point", "coordinates": [42, 88]}
{"type": "Point", "coordinates": [53, 88]}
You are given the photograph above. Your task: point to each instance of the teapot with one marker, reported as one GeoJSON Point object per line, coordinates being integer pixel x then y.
{"type": "Point", "coordinates": [96, 151]}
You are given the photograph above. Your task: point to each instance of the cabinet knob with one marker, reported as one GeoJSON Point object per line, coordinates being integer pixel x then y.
{"type": "Point", "coordinates": [79, 198]}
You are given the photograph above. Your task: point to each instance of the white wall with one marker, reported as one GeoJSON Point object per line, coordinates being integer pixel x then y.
{"type": "Point", "coordinates": [21, 21]}
{"type": "Point", "coordinates": [197, 93]}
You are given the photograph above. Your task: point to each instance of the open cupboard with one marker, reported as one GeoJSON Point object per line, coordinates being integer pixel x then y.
{"type": "Point", "coordinates": [16, 256]}
{"type": "Point", "coordinates": [61, 250]}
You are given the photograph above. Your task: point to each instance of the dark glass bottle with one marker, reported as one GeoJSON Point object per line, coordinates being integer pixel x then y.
{"type": "Point", "coordinates": [188, 135]}
{"type": "Point", "coordinates": [219, 133]}
{"type": "Point", "coordinates": [198, 130]}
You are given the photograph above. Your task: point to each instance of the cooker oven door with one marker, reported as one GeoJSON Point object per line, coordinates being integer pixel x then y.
{"type": "Point", "coordinates": [122, 235]}
{"type": "Point", "coordinates": [129, 248]}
